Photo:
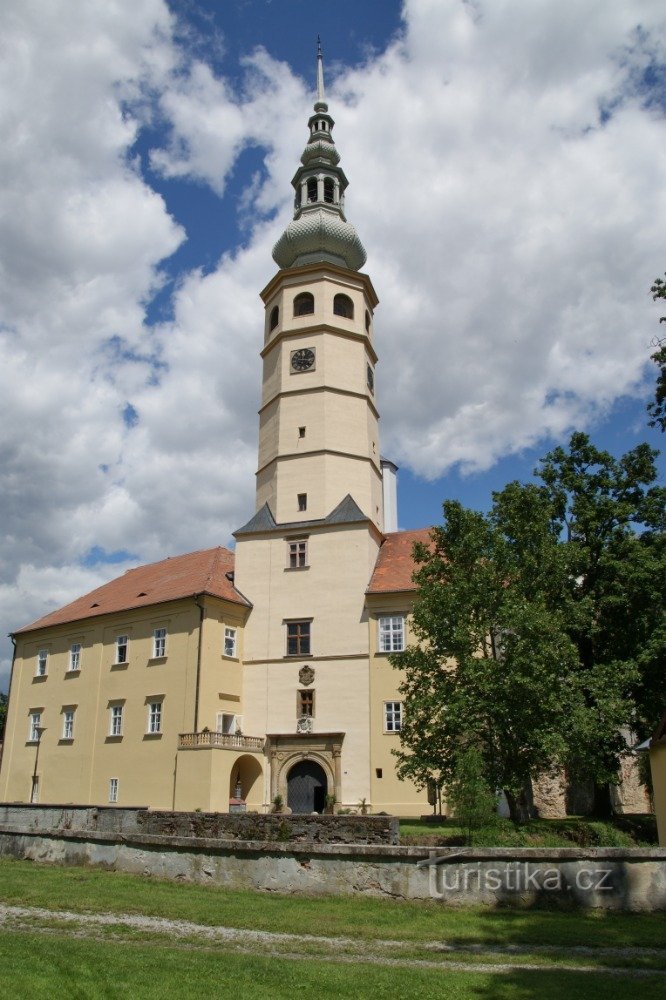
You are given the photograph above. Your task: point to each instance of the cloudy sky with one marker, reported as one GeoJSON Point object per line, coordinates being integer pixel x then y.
{"type": "Point", "coordinates": [507, 162]}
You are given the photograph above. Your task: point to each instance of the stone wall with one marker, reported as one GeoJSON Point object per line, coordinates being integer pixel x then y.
{"type": "Point", "coordinates": [267, 828]}
{"type": "Point", "coordinates": [607, 878]}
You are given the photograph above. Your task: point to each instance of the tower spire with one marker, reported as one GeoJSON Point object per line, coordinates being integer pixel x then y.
{"type": "Point", "coordinates": [320, 104]}
{"type": "Point", "coordinates": [319, 230]}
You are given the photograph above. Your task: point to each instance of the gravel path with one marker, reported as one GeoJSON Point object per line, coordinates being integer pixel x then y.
{"type": "Point", "coordinates": [183, 933]}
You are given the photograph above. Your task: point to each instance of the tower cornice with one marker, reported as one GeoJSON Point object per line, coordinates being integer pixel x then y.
{"type": "Point", "coordinates": [334, 331]}
{"type": "Point", "coordinates": [293, 275]}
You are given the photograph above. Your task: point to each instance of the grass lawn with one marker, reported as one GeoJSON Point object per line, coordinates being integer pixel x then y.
{"type": "Point", "coordinates": [379, 948]}
{"type": "Point", "coordinates": [574, 831]}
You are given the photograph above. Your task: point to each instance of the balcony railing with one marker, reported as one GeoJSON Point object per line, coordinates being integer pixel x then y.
{"type": "Point", "coordinates": [225, 741]}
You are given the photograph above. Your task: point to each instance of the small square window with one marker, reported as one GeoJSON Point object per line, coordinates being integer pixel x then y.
{"type": "Point", "coordinates": [122, 644]}
{"type": "Point", "coordinates": [392, 716]}
{"type": "Point", "coordinates": [113, 789]}
{"type": "Point", "coordinates": [391, 634]}
{"type": "Point", "coordinates": [42, 660]}
{"type": "Point", "coordinates": [298, 638]}
{"type": "Point", "coordinates": [297, 553]}
{"type": "Point", "coordinates": [379, 772]}
{"type": "Point", "coordinates": [116, 720]}
{"type": "Point", "coordinates": [230, 642]}
{"type": "Point", "coordinates": [75, 656]}
{"type": "Point", "coordinates": [302, 501]}
{"type": "Point", "coordinates": [155, 717]}
{"type": "Point", "coordinates": [306, 703]}
{"type": "Point", "coordinates": [159, 642]}
{"type": "Point", "coordinates": [68, 724]}
{"type": "Point", "coordinates": [301, 432]}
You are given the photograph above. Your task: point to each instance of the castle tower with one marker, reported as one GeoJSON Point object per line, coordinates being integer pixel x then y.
{"type": "Point", "coordinates": [319, 435]}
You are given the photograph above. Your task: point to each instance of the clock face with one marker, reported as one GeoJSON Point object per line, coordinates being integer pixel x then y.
{"type": "Point", "coordinates": [370, 375]}
{"type": "Point", "coordinates": [302, 360]}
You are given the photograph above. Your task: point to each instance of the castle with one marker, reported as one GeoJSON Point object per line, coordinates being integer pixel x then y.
{"type": "Point", "coordinates": [220, 680]}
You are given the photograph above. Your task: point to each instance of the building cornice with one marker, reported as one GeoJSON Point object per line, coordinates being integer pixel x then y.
{"type": "Point", "coordinates": [322, 270]}
{"type": "Point", "coordinates": [318, 328]}
{"type": "Point", "coordinates": [319, 389]}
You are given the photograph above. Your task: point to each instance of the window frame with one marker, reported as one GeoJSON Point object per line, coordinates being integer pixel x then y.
{"type": "Point", "coordinates": [114, 787]}
{"type": "Point", "coordinates": [155, 713]}
{"type": "Point", "coordinates": [41, 668]}
{"type": "Point", "coordinates": [116, 720]}
{"type": "Point", "coordinates": [33, 726]}
{"type": "Point", "coordinates": [230, 635]}
{"type": "Point", "coordinates": [387, 635]}
{"type": "Point", "coordinates": [305, 700]}
{"type": "Point", "coordinates": [301, 637]}
{"type": "Point", "coordinates": [343, 306]}
{"type": "Point", "coordinates": [74, 657]}
{"type": "Point", "coordinates": [159, 643]}
{"type": "Point", "coordinates": [297, 553]}
{"type": "Point", "coordinates": [68, 723]}
{"type": "Point", "coordinates": [304, 299]}
{"type": "Point", "coordinates": [393, 711]}
{"type": "Point", "coordinates": [122, 642]}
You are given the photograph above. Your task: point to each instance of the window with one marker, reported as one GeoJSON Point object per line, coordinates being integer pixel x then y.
{"type": "Point", "coordinates": [367, 321]}
{"type": "Point", "coordinates": [116, 722]}
{"type": "Point", "coordinates": [329, 190]}
{"type": "Point", "coordinates": [155, 717]}
{"type": "Point", "coordinates": [159, 642]}
{"type": "Point", "coordinates": [379, 772]}
{"type": "Point", "coordinates": [343, 306]}
{"type": "Point", "coordinates": [391, 634]}
{"type": "Point", "coordinates": [301, 432]}
{"type": "Point", "coordinates": [392, 716]}
{"type": "Point", "coordinates": [227, 723]}
{"type": "Point", "coordinates": [312, 189]}
{"type": "Point", "coordinates": [122, 644]}
{"type": "Point", "coordinates": [304, 304]}
{"type": "Point", "coordinates": [230, 642]}
{"type": "Point", "coordinates": [113, 789]}
{"type": "Point", "coordinates": [35, 726]}
{"type": "Point", "coordinates": [42, 659]}
{"type": "Point", "coordinates": [75, 656]}
{"type": "Point", "coordinates": [306, 703]}
{"type": "Point", "coordinates": [302, 499]}
{"type": "Point", "coordinates": [297, 554]}
{"type": "Point", "coordinates": [68, 724]}
{"type": "Point", "coordinates": [298, 638]}
{"type": "Point", "coordinates": [275, 317]}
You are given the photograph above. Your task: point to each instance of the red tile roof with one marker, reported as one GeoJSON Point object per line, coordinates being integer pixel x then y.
{"type": "Point", "coordinates": [203, 572]}
{"type": "Point", "coordinates": [395, 565]}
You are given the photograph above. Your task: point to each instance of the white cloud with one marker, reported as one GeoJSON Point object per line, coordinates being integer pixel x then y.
{"type": "Point", "coordinates": [512, 237]}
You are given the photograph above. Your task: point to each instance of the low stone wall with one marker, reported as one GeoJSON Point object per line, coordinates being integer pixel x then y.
{"type": "Point", "coordinates": [311, 829]}
{"type": "Point", "coordinates": [608, 878]}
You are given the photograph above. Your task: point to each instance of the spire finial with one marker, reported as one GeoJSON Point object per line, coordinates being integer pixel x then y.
{"type": "Point", "coordinates": [321, 96]}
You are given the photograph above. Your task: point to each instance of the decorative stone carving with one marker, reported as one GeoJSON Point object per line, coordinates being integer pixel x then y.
{"type": "Point", "coordinates": [304, 724]}
{"type": "Point", "coordinates": [306, 676]}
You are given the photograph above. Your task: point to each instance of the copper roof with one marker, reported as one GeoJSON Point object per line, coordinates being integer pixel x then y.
{"type": "Point", "coordinates": [395, 564]}
{"type": "Point", "coordinates": [203, 572]}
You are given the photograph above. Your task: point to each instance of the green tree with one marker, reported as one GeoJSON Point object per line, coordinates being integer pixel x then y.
{"type": "Point", "coordinates": [469, 794]}
{"type": "Point", "coordinates": [657, 409]}
{"type": "Point", "coordinates": [540, 625]}
{"type": "Point", "coordinates": [494, 667]}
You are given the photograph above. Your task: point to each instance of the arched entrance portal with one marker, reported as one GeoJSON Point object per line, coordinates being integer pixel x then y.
{"type": "Point", "coordinates": [306, 787]}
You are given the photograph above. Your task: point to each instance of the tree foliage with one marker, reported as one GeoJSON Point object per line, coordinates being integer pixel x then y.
{"type": "Point", "coordinates": [469, 794]}
{"type": "Point", "coordinates": [657, 409]}
{"type": "Point", "coordinates": [539, 625]}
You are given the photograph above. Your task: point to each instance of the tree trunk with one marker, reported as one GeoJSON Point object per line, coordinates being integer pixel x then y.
{"type": "Point", "coordinates": [519, 805]}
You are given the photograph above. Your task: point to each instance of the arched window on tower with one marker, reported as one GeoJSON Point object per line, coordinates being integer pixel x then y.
{"type": "Point", "coordinates": [303, 304]}
{"type": "Point", "coordinates": [343, 306]}
{"type": "Point", "coordinates": [367, 321]}
{"type": "Point", "coordinates": [275, 317]}
{"type": "Point", "coordinates": [312, 189]}
{"type": "Point", "coordinates": [329, 190]}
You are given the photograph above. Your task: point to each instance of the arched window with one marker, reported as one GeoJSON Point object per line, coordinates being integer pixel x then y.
{"type": "Point", "coordinates": [343, 306]}
{"type": "Point", "coordinates": [275, 317]}
{"type": "Point", "coordinates": [329, 190]}
{"type": "Point", "coordinates": [367, 321]}
{"type": "Point", "coordinates": [303, 304]}
{"type": "Point", "coordinates": [312, 189]}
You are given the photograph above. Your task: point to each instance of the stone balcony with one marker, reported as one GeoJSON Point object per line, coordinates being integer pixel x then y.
{"type": "Point", "coordinates": [221, 741]}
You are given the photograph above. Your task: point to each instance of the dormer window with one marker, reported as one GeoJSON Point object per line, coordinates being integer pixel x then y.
{"type": "Point", "coordinates": [343, 306]}
{"type": "Point", "coordinates": [329, 191]}
{"type": "Point", "coordinates": [312, 189]}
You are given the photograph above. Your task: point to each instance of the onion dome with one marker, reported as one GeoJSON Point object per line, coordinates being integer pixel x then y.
{"type": "Point", "coordinates": [319, 230]}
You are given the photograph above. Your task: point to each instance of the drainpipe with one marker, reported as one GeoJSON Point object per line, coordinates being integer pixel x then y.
{"type": "Point", "coordinates": [196, 691]}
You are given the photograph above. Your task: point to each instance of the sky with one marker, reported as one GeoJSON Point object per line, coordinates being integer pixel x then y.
{"type": "Point", "coordinates": [506, 162]}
